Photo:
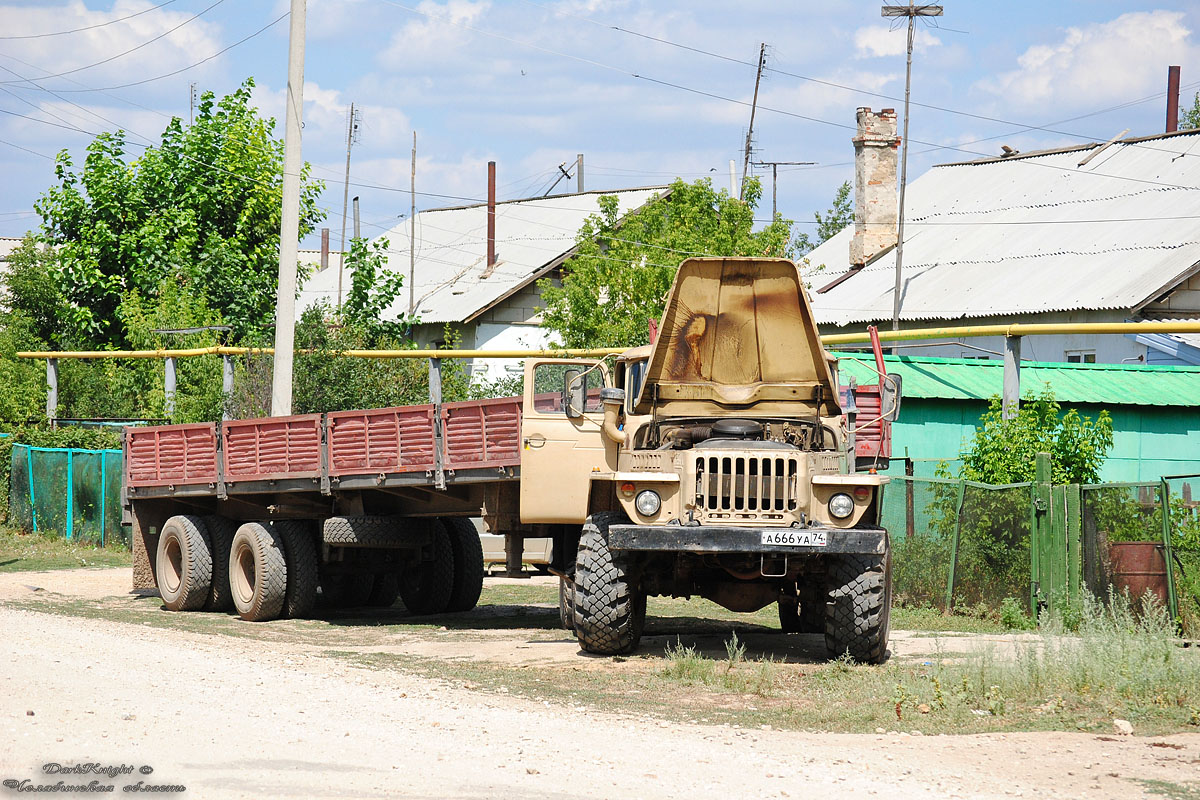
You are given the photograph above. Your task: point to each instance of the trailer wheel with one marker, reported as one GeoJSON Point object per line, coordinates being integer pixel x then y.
{"type": "Point", "coordinates": [300, 549]}
{"type": "Point", "coordinates": [220, 534]}
{"type": "Point", "coordinates": [468, 563]}
{"type": "Point", "coordinates": [566, 603]}
{"type": "Point", "coordinates": [384, 591]}
{"type": "Point", "coordinates": [426, 587]}
{"type": "Point", "coordinates": [858, 603]}
{"type": "Point", "coordinates": [610, 610]}
{"type": "Point", "coordinates": [258, 572]}
{"type": "Point", "coordinates": [184, 563]}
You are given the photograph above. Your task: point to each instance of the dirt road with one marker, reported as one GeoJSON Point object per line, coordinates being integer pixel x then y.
{"type": "Point", "coordinates": [239, 717]}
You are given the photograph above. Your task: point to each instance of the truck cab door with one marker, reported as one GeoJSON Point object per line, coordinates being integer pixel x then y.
{"type": "Point", "coordinates": [561, 441]}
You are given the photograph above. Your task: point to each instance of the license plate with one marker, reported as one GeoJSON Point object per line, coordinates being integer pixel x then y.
{"type": "Point", "coordinates": [797, 537]}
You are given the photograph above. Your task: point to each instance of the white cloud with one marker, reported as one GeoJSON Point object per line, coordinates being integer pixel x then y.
{"type": "Point", "coordinates": [434, 37]}
{"type": "Point", "coordinates": [878, 41]}
{"type": "Point", "coordinates": [1098, 63]}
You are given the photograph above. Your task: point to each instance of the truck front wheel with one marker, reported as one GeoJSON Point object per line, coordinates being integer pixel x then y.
{"type": "Point", "coordinates": [426, 588]}
{"type": "Point", "coordinates": [858, 600]}
{"type": "Point", "coordinates": [610, 609]}
{"type": "Point", "coordinates": [468, 563]}
{"type": "Point", "coordinates": [258, 572]}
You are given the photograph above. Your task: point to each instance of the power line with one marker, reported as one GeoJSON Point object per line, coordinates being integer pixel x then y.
{"type": "Point", "coordinates": [88, 27]}
{"type": "Point", "coordinates": [192, 18]}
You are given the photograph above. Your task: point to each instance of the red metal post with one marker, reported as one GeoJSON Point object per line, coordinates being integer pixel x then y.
{"type": "Point", "coordinates": [1172, 99]}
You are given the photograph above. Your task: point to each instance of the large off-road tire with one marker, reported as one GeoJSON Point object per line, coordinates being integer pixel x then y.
{"type": "Point", "coordinates": [258, 572]}
{"type": "Point", "coordinates": [384, 591]}
{"type": "Point", "coordinates": [610, 609]}
{"type": "Point", "coordinates": [360, 531]}
{"type": "Point", "coordinates": [425, 587]}
{"type": "Point", "coordinates": [468, 563]}
{"type": "Point", "coordinates": [220, 535]}
{"type": "Point", "coordinates": [858, 600]}
{"type": "Point", "coordinates": [566, 603]}
{"type": "Point", "coordinates": [300, 550]}
{"type": "Point", "coordinates": [183, 565]}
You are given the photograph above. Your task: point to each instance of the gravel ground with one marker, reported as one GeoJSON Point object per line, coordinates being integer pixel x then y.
{"type": "Point", "coordinates": [237, 717]}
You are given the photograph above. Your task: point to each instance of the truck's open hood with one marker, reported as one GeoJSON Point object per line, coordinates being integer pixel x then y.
{"type": "Point", "coordinates": [737, 333]}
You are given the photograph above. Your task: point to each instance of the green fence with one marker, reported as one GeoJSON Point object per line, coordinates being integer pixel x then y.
{"type": "Point", "coordinates": [74, 493]}
{"type": "Point", "coordinates": [958, 543]}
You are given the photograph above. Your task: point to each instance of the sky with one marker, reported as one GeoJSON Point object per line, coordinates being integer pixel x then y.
{"type": "Point", "coordinates": [647, 91]}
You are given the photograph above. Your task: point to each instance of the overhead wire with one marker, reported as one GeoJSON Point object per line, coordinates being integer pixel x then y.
{"type": "Point", "coordinates": [88, 27]}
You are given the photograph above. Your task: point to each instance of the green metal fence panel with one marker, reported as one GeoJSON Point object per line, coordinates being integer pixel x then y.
{"type": "Point", "coordinates": [1182, 545]}
{"type": "Point", "coordinates": [920, 516]}
{"type": "Point", "coordinates": [68, 492]}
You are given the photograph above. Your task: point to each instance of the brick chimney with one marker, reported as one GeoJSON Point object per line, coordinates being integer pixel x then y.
{"type": "Point", "coordinates": [875, 216]}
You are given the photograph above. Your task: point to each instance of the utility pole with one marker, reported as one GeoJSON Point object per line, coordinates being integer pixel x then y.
{"type": "Point", "coordinates": [579, 173]}
{"type": "Point", "coordinates": [412, 231]}
{"type": "Point", "coordinates": [289, 228]}
{"type": "Point", "coordinates": [762, 62]}
{"type": "Point", "coordinates": [351, 138]}
{"type": "Point", "coordinates": [912, 12]}
{"type": "Point", "coordinates": [192, 98]}
{"type": "Point", "coordinates": [775, 165]}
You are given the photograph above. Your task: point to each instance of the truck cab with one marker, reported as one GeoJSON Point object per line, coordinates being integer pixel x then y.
{"type": "Point", "coordinates": [715, 462]}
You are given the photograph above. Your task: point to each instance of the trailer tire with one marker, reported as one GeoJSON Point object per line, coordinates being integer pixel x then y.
{"type": "Point", "coordinates": [566, 603]}
{"type": "Point", "coordinates": [183, 564]}
{"type": "Point", "coordinates": [360, 531]}
{"type": "Point", "coordinates": [610, 610]}
{"type": "Point", "coordinates": [858, 601]}
{"type": "Point", "coordinates": [468, 564]}
{"type": "Point", "coordinates": [220, 535]}
{"type": "Point", "coordinates": [384, 591]}
{"type": "Point", "coordinates": [426, 587]}
{"type": "Point", "coordinates": [300, 550]}
{"type": "Point", "coordinates": [258, 572]}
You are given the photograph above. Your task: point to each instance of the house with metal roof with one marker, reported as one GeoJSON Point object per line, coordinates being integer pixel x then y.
{"type": "Point", "coordinates": [1156, 430]}
{"type": "Point", "coordinates": [1091, 233]}
{"type": "Point", "coordinates": [484, 286]}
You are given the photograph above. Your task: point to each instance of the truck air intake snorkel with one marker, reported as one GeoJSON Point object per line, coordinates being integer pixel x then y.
{"type": "Point", "coordinates": [613, 400]}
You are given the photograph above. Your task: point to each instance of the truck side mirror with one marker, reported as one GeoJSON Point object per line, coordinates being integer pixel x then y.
{"type": "Point", "coordinates": [574, 393]}
{"type": "Point", "coordinates": [889, 397]}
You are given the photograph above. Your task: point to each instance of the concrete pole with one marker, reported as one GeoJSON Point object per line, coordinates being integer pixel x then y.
{"type": "Point", "coordinates": [1011, 399]}
{"type": "Point", "coordinates": [226, 384]}
{"type": "Point", "coordinates": [289, 229]}
{"type": "Point", "coordinates": [345, 194]}
{"type": "Point", "coordinates": [579, 173]}
{"type": "Point", "coordinates": [169, 383]}
{"type": "Point", "coordinates": [51, 388]}
{"type": "Point", "coordinates": [732, 179]}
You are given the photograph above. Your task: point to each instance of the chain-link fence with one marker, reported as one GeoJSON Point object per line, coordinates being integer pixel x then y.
{"type": "Point", "coordinates": [74, 493]}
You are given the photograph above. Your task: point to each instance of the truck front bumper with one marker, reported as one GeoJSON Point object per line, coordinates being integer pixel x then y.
{"type": "Point", "coordinates": [740, 539]}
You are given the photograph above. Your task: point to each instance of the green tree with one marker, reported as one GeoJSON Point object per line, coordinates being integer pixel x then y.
{"type": "Point", "coordinates": [201, 210]}
{"type": "Point", "coordinates": [623, 268]}
{"type": "Point", "coordinates": [839, 215]}
{"type": "Point", "coordinates": [1189, 118]}
{"type": "Point", "coordinates": [373, 289]}
{"type": "Point", "coordinates": [1004, 451]}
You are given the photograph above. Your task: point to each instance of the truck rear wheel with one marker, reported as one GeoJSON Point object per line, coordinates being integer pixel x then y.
{"type": "Point", "coordinates": [258, 572]}
{"type": "Point", "coordinates": [384, 591]}
{"type": "Point", "coordinates": [610, 610]}
{"type": "Point", "coordinates": [220, 534]}
{"type": "Point", "coordinates": [300, 550]}
{"type": "Point", "coordinates": [566, 603]}
{"type": "Point", "coordinates": [468, 563]}
{"type": "Point", "coordinates": [184, 562]}
{"type": "Point", "coordinates": [858, 602]}
{"type": "Point", "coordinates": [426, 587]}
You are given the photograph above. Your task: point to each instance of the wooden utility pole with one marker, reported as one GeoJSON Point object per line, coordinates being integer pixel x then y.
{"type": "Point", "coordinates": [775, 165]}
{"type": "Point", "coordinates": [762, 62]}
{"type": "Point", "coordinates": [412, 231]}
{"type": "Point", "coordinates": [289, 228]}
{"type": "Point", "coordinates": [351, 138]}
{"type": "Point", "coordinates": [912, 12]}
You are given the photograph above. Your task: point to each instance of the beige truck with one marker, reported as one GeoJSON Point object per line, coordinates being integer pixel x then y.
{"type": "Point", "coordinates": [718, 461]}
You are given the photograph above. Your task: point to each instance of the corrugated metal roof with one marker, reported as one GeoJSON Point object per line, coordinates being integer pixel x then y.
{"type": "Point", "coordinates": [979, 379]}
{"type": "Point", "coordinates": [451, 251]}
{"type": "Point", "coordinates": [1032, 234]}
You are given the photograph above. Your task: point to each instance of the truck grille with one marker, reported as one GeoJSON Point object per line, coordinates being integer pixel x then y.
{"type": "Point", "coordinates": [747, 486]}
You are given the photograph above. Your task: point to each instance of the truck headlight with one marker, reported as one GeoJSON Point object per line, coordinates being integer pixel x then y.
{"type": "Point", "coordinates": [647, 503]}
{"type": "Point", "coordinates": [841, 506]}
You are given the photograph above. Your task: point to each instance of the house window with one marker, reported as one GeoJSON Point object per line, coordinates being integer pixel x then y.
{"type": "Point", "coordinates": [1081, 356]}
